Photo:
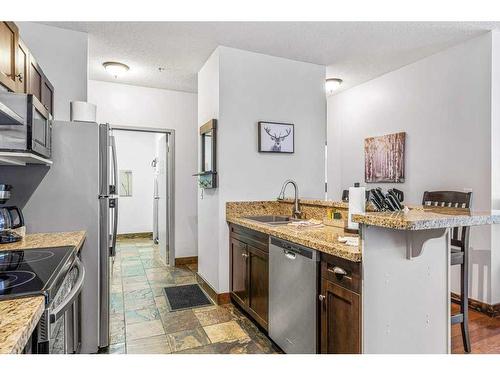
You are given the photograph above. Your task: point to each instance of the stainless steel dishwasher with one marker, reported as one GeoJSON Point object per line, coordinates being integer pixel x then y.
{"type": "Point", "coordinates": [293, 271]}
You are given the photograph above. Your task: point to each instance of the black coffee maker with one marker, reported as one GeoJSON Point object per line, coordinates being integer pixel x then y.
{"type": "Point", "coordinates": [11, 218]}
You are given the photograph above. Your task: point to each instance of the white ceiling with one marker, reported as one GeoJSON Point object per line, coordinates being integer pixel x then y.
{"type": "Point", "coordinates": [353, 51]}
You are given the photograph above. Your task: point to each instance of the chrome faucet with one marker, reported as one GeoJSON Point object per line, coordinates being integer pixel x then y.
{"type": "Point", "coordinates": [296, 211]}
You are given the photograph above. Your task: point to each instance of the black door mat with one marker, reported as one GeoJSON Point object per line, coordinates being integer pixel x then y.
{"type": "Point", "coordinates": [186, 297]}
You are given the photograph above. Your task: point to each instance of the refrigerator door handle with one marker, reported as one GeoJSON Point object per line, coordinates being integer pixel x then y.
{"type": "Point", "coordinates": [115, 200]}
{"type": "Point", "coordinates": [115, 228]}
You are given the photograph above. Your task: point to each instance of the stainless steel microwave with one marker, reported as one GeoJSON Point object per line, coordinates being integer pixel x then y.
{"type": "Point", "coordinates": [25, 124]}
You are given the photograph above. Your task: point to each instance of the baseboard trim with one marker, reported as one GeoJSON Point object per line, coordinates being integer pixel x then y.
{"type": "Point", "coordinates": [490, 310]}
{"type": "Point", "coordinates": [182, 261]}
{"type": "Point", "coordinates": [218, 298]}
{"type": "Point", "coordinates": [128, 236]}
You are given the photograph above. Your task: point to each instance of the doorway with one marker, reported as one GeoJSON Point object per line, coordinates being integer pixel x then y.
{"type": "Point", "coordinates": [145, 163]}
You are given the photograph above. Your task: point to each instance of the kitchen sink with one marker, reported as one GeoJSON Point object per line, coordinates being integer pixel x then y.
{"type": "Point", "coordinates": [272, 219]}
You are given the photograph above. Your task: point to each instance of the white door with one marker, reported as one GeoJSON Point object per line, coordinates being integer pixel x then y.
{"type": "Point", "coordinates": [163, 223]}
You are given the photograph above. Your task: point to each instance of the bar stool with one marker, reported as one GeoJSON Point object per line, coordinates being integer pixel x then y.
{"type": "Point", "coordinates": [459, 252]}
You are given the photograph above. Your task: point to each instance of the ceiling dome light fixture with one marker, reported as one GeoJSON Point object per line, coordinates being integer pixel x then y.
{"type": "Point", "coordinates": [114, 68]}
{"type": "Point", "coordinates": [332, 84]}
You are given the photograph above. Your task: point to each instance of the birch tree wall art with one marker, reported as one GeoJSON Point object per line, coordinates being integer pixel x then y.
{"type": "Point", "coordinates": [385, 158]}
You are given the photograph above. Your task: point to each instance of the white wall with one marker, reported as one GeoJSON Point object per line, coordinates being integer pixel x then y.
{"type": "Point", "coordinates": [253, 87]}
{"type": "Point", "coordinates": [208, 207]}
{"type": "Point", "coordinates": [135, 151]}
{"type": "Point", "coordinates": [147, 107]}
{"type": "Point", "coordinates": [443, 103]}
{"type": "Point", "coordinates": [495, 165]}
{"type": "Point", "coordinates": [63, 56]}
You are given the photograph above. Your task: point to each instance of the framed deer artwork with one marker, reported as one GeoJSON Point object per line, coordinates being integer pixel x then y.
{"type": "Point", "coordinates": [276, 137]}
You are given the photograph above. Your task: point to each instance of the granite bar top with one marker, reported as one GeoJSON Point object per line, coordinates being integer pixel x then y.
{"type": "Point", "coordinates": [19, 316]}
{"type": "Point", "coordinates": [426, 217]}
{"type": "Point", "coordinates": [41, 240]}
{"type": "Point", "coordinates": [18, 319]}
{"type": "Point", "coordinates": [324, 239]}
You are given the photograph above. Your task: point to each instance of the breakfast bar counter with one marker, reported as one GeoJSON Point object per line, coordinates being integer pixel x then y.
{"type": "Point", "coordinates": [406, 277]}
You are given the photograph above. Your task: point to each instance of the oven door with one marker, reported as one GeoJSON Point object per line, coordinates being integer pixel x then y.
{"type": "Point", "coordinates": [40, 128]}
{"type": "Point", "coordinates": [64, 315]}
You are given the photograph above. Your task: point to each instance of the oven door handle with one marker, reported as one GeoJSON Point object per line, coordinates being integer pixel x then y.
{"type": "Point", "coordinates": [72, 296]}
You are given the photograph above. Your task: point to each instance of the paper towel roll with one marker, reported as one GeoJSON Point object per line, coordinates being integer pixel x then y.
{"type": "Point", "coordinates": [82, 111]}
{"type": "Point", "coordinates": [357, 204]}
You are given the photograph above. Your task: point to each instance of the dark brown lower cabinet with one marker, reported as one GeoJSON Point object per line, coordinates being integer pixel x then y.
{"type": "Point", "coordinates": [340, 307]}
{"type": "Point", "coordinates": [340, 319]}
{"type": "Point", "coordinates": [239, 279]}
{"type": "Point", "coordinates": [258, 275]}
{"type": "Point", "coordinates": [339, 284]}
{"type": "Point", "coordinates": [249, 272]}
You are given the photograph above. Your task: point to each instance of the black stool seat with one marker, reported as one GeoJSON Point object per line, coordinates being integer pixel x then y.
{"type": "Point", "coordinates": [459, 252]}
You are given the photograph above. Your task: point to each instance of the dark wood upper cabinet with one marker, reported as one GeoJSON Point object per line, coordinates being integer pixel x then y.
{"type": "Point", "coordinates": [22, 63]}
{"type": "Point", "coordinates": [9, 36]}
{"type": "Point", "coordinates": [35, 79]}
{"type": "Point", "coordinates": [40, 86]}
{"type": "Point", "coordinates": [19, 70]}
{"type": "Point", "coordinates": [48, 95]}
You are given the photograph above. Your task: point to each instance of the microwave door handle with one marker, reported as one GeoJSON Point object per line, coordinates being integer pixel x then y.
{"type": "Point", "coordinates": [72, 296]}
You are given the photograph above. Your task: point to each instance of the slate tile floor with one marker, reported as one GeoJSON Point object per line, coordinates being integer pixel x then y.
{"type": "Point", "coordinates": [141, 322]}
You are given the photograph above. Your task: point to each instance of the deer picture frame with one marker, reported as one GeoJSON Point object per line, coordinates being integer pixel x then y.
{"type": "Point", "coordinates": [276, 137]}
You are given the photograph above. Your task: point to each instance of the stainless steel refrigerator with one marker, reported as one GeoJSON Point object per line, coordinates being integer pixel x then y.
{"type": "Point", "coordinates": [78, 192]}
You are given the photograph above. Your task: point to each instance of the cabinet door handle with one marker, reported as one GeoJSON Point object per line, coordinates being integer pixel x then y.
{"type": "Point", "coordinates": [321, 297]}
{"type": "Point", "coordinates": [20, 77]}
{"type": "Point", "coordinates": [244, 255]}
{"type": "Point", "coordinates": [338, 271]}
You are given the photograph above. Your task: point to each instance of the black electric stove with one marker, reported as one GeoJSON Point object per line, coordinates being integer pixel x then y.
{"type": "Point", "coordinates": [34, 271]}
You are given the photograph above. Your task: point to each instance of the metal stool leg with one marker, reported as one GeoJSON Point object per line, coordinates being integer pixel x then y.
{"type": "Point", "coordinates": [464, 298]}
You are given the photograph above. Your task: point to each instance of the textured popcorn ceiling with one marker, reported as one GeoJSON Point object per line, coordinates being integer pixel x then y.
{"type": "Point", "coordinates": [353, 51]}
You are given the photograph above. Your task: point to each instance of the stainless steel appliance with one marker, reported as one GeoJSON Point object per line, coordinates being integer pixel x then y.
{"type": "Point", "coordinates": [57, 274]}
{"type": "Point", "coordinates": [25, 124]}
{"type": "Point", "coordinates": [5, 193]}
{"type": "Point", "coordinates": [10, 218]}
{"type": "Point", "coordinates": [78, 191]}
{"type": "Point", "coordinates": [293, 295]}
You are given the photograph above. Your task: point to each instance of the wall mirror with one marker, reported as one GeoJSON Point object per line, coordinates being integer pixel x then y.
{"type": "Point", "coordinates": [207, 175]}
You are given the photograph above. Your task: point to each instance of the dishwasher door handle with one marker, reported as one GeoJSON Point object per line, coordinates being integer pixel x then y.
{"type": "Point", "coordinates": [289, 254]}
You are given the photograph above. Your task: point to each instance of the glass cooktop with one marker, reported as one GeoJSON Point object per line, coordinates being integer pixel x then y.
{"type": "Point", "coordinates": [30, 271]}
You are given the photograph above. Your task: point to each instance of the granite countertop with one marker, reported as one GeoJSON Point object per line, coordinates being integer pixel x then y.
{"type": "Point", "coordinates": [425, 217]}
{"type": "Point", "coordinates": [18, 319]}
{"type": "Point", "coordinates": [324, 239]}
{"type": "Point", "coordinates": [40, 240]}
{"type": "Point", "coordinates": [19, 316]}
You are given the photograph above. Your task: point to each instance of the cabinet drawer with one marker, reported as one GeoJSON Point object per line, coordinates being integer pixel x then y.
{"type": "Point", "coordinates": [341, 272]}
{"type": "Point", "coordinates": [251, 237]}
